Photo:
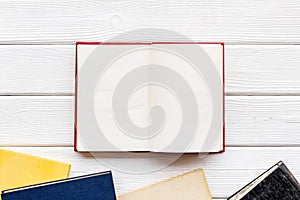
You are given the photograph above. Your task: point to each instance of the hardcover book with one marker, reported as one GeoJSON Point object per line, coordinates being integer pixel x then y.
{"type": "Point", "coordinates": [97, 186]}
{"type": "Point", "coordinates": [277, 183]}
{"type": "Point", "coordinates": [158, 97]}
{"type": "Point", "coordinates": [189, 186]}
{"type": "Point", "coordinates": [18, 170]}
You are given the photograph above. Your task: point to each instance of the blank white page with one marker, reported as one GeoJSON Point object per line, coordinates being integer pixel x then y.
{"type": "Point", "coordinates": [182, 80]}
{"type": "Point", "coordinates": [106, 133]}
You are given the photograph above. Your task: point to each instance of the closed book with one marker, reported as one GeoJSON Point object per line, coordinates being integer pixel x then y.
{"type": "Point", "coordinates": [97, 186]}
{"type": "Point", "coordinates": [188, 186]}
{"type": "Point", "coordinates": [277, 183]}
{"type": "Point", "coordinates": [17, 169]}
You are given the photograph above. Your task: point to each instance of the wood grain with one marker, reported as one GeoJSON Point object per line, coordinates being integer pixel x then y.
{"type": "Point", "coordinates": [36, 120]}
{"type": "Point", "coordinates": [271, 21]}
{"type": "Point", "coordinates": [250, 121]}
{"type": "Point", "coordinates": [226, 172]}
{"type": "Point", "coordinates": [37, 69]}
{"type": "Point", "coordinates": [262, 120]}
{"type": "Point", "coordinates": [249, 69]}
{"type": "Point", "coordinates": [262, 69]}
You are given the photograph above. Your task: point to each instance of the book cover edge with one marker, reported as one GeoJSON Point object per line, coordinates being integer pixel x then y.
{"type": "Point", "coordinates": [289, 175]}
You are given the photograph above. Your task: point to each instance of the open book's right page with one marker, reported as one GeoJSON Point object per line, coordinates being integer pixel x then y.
{"type": "Point", "coordinates": [187, 82]}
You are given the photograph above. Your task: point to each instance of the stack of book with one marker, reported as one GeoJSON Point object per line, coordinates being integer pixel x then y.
{"type": "Point", "coordinates": [31, 178]}
{"type": "Point", "coordinates": [26, 177]}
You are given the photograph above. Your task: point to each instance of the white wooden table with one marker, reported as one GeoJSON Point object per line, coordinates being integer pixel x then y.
{"type": "Point", "coordinates": [262, 79]}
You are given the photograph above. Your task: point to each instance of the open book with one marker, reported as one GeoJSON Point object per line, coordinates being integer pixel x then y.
{"type": "Point", "coordinates": [160, 97]}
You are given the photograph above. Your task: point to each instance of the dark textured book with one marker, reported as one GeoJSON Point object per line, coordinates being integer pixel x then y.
{"type": "Point", "coordinates": [277, 183]}
{"type": "Point", "coordinates": [97, 186]}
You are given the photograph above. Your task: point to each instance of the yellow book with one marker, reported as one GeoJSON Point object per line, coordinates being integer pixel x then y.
{"type": "Point", "coordinates": [17, 170]}
{"type": "Point", "coordinates": [188, 186]}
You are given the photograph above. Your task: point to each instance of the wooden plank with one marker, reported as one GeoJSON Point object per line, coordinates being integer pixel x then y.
{"type": "Point", "coordinates": [261, 70]}
{"type": "Point", "coordinates": [263, 120]}
{"type": "Point", "coordinates": [37, 69]}
{"type": "Point", "coordinates": [250, 120]}
{"type": "Point", "coordinates": [271, 21]}
{"type": "Point", "coordinates": [250, 69]}
{"type": "Point", "coordinates": [226, 172]}
{"type": "Point", "coordinates": [36, 120]}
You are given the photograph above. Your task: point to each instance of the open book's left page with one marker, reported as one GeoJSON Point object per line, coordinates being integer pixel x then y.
{"type": "Point", "coordinates": [112, 98]}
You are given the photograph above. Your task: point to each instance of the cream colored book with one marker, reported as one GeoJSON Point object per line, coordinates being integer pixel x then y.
{"type": "Point", "coordinates": [188, 186]}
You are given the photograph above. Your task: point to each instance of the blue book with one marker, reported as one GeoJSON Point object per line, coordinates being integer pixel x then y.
{"type": "Point", "coordinates": [97, 186]}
